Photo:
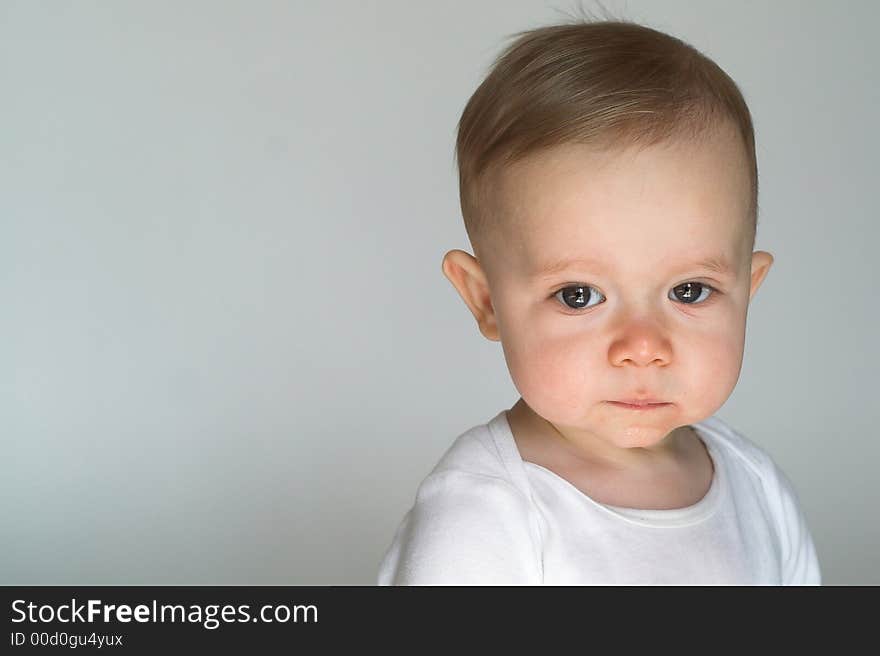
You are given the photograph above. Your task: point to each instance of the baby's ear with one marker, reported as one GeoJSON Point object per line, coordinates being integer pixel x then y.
{"type": "Point", "coordinates": [467, 276]}
{"type": "Point", "coordinates": [761, 263]}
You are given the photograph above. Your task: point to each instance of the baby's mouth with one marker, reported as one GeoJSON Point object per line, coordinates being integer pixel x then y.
{"type": "Point", "coordinates": [640, 404]}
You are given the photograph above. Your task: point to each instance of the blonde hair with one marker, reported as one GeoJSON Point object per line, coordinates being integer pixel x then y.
{"type": "Point", "coordinates": [607, 84]}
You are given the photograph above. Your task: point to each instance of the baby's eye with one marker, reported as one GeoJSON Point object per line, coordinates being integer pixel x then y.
{"type": "Point", "coordinates": [577, 296]}
{"type": "Point", "coordinates": [691, 292]}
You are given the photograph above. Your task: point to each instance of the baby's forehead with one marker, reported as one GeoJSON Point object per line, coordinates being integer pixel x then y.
{"type": "Point", "coordinates": [541, 245]}
{"type": "Point", "coordinates": [536, 267]}
{"type": "Point", "coordinates": [669, 183]}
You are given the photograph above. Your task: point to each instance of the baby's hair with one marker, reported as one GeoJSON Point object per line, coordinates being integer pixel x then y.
{"type": "Point", "coordinates": [608, 84]}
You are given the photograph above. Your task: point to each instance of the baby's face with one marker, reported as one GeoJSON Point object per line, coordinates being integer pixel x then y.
{"type": "Point", "coordinates": [640, 310]}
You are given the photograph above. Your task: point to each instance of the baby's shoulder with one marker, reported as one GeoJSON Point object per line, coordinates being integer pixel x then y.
{"type": "Point", "coordinates": [740, 450]}
{"type": "Point", "coordinates": [475, 452]}
{"type": "Point", "coordinates": [474, 478]}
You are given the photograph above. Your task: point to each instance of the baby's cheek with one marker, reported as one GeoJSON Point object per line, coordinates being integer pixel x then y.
{"type": "Point", "coordinates": [711, 374]}
{"type": "Point", "coordinates": [553, 376]}
{"type": "Point", "coordinates": [557, 377]}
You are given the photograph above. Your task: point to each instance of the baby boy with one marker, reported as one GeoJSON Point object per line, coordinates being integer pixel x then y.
{"type": "Point", "coordinates": [609, 188]}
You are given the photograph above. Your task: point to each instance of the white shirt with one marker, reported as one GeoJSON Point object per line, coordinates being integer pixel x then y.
{"type": "Point", "coordinates": [485, 516]}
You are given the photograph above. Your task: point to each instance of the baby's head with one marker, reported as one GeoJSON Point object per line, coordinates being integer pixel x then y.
{"type": "Point", "coordinates": [609, 191]}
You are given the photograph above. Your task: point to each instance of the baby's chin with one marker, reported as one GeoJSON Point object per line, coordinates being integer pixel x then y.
{"type": "Point", "coordinates": [637, 435]}
{"type": "Point", "coordinates": [628, 427]}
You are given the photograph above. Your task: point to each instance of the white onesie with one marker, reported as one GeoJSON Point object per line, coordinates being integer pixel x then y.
{"type": "Point", "coordinates": [485, 516]}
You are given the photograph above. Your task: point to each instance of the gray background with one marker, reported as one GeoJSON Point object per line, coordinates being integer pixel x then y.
{"type": "Point", "coordinates": [227, 351]}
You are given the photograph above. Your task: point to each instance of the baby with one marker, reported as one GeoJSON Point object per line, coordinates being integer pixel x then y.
{"type": "Point", "coordinates": [609, 190]}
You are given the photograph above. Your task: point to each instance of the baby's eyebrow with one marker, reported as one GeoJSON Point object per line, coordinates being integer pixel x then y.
{"type": "Point", "coordinates": [716, 263]}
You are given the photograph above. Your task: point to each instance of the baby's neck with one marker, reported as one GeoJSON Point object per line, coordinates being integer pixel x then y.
{"type": "Point", "coordinates": [674, 477]}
